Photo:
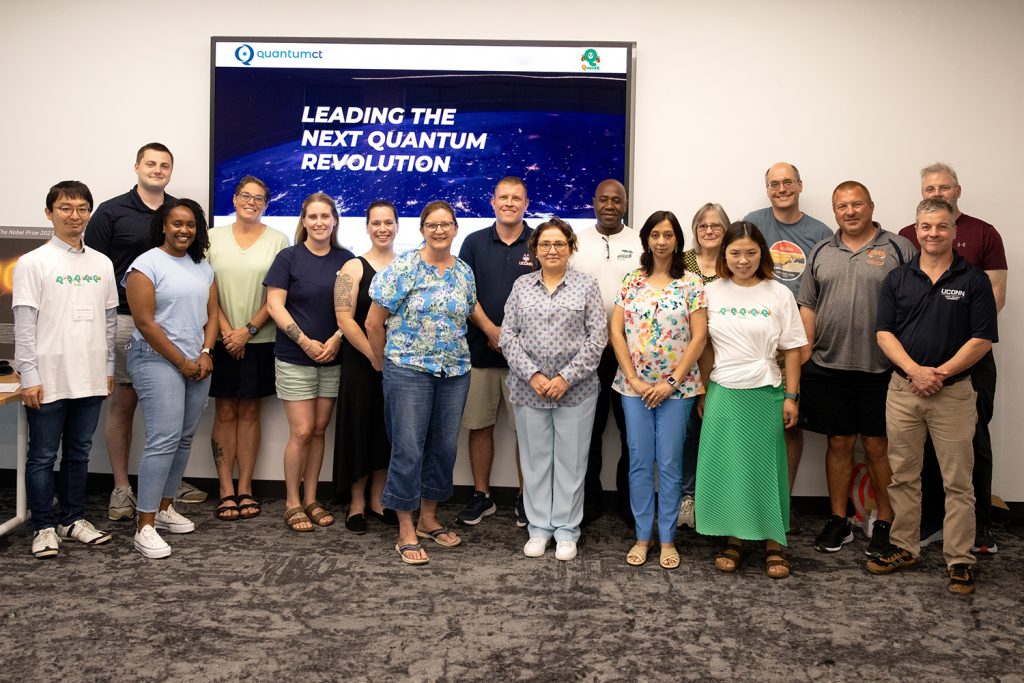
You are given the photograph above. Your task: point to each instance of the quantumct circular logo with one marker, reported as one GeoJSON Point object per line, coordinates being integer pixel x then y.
{"type": "Point", "coordinates": [244, 53]}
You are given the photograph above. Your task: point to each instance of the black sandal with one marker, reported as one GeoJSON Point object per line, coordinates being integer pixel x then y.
{"type": "Point", "coordinates": [254, 505]}
{"type": "Point", "coordinates": [222, 510]}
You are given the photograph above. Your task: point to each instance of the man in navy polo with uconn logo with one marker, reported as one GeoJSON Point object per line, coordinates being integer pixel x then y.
{"type": "Point", "coordinates": [936, 319]}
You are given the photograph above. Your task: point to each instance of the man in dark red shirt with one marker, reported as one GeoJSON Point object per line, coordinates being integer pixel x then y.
{"type": "Point", "coordinates": [980, 245]}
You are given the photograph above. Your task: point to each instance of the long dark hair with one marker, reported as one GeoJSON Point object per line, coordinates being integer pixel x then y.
{"type": "Point", "coordinates": [196, 250]}
{"type": "Point", "coordinates": [677, 268]}
{"type": "Point", "coordinates": [745, 230]}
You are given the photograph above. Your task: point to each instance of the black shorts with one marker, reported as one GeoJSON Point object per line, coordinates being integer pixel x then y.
{"type": "Point", "coordinates": [842, 402]}
{"type": "Point", "coordinates": [250, 377]}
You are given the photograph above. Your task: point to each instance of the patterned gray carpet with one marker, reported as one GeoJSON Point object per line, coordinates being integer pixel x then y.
{"type": "Point", "coordinates": [252, 601]}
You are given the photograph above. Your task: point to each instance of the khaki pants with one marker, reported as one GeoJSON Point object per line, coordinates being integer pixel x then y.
{"type": "Point", "coordinates": [949, 418]}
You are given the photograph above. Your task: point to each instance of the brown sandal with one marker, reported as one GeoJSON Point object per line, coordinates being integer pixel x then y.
{"type": "Point", "coordinates": [773, 559]}
{"type": "Point", "coordinates": [729, 558]}
{"type": "Point", "coordinates": [293, 517]}
{"type": "Point", "coordinates": [317, 511]}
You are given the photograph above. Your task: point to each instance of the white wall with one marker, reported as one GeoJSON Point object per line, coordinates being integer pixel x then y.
{"type": "Point", "coordinates": [871, 90]}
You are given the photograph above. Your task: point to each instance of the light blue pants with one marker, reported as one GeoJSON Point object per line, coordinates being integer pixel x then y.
{"type": "Point", "coordinates": [554, 444]}
{"type": "Point", "coordinates": [171, 406]}
{"type": "Point", "coordinates": [656, 440]}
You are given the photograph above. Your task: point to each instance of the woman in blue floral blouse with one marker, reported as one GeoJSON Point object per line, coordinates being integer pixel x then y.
{"type": "Point", "coordinates": [417, 329]}
{"type": "Point", "coordinates": [554, 332]}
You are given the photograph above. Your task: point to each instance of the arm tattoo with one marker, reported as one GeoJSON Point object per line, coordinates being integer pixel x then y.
{"type": "Point", "coordinates": [218, 452]}
{"type": "Point", "coordinates": [293, 332]}
{"type": "Point", "coordinates": [343, 292]}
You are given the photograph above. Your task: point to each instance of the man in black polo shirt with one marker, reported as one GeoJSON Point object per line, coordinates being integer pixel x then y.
{"type": "Point", "coordinates": [498, 256]}
{"type": "Point", "coordinates": [119, 228]}
{"type": "Point", "coordinates": [936, 319]}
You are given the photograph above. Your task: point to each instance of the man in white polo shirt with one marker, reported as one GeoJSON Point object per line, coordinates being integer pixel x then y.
{"type": "Point", "coordinates": [65, 315]}
{"type": "Point", "coordinates": [608, 251]}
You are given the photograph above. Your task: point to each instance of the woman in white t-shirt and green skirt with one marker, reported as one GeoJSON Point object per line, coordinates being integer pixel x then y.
{"type": "Point", "coordinates": [742, 489]}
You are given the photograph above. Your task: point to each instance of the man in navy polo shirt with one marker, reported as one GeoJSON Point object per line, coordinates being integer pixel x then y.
{"type": "Point", "coordinates": [498, 257]}
{"type": "Point", "coordinates": [981, 245]}
{"type": "Point", "coordinates": [119, 229]}
{"type": "Point", "coordinates": [936, 319]}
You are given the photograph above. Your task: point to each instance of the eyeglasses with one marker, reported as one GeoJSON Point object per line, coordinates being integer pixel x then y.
{"type": "Point", "coordinates": [559, 247]}
{"type": "Point", "coordinates": [245, 197]}
{"type": "Point", "coordinates": [710, 227]}
{"type": "Point", "coordinates": [68, 210]}
{"type": "Point", "coordinates": [776, 184]}
{"type": "Point", "coordinates": [443, 226]}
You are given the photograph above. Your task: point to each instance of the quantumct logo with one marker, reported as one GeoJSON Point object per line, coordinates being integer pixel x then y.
{"type": "Point", "coordinates": [591, 60]}
{"type": "Point", "coordinates": [244, 53]}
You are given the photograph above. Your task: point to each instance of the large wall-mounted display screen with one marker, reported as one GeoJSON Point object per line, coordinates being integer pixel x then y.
{"type": "Point", "coordinates": [411, 122]}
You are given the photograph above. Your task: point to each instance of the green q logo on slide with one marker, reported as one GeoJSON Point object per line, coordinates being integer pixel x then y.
{"type": "Point", "coordinates": [591, 59]}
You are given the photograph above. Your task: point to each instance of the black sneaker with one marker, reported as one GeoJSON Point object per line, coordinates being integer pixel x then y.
{"type": "Point", "coordinates": [478, 507]}
{"type": "Point", "coordinates": [984, 542]}
{"type": "Point", "coordinates": [892, 561]}
{"type": "Point", "coordinates": [521, 520]}
{"type": "Point", "coordinates": [879, 539]}
{"type": "Point", "coordinates": [834, 536]}
{"type": "Point", "coordinates": [961, 579]}
{"type": "Point", "coordinates": [930, 533]}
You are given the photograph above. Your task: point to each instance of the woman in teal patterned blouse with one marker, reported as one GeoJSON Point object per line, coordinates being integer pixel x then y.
{"type": "Point", "coordinates": [417, 329]}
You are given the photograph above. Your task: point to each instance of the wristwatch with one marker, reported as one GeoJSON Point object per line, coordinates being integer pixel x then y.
{"type": "Point", "coordinates": [207, 352]}
{"type": "Point", "coordinates": [794, 397]}
{"type": "Point", "coordinates": [252, 329]}
{"type": "Point", "coordinates": [671, 381]}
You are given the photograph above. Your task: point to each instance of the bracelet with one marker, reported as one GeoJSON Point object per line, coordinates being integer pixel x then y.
{"type": "Point", "coordinates": [184, 365]}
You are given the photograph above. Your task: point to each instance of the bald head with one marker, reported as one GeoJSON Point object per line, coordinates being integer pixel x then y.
{"type": "Point", "coordinates": [610, 205]}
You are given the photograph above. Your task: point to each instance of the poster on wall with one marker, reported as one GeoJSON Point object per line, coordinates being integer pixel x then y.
{"type": "Point", "coordinates": [411, 122]}
{"type": "Point", "coordinates": [14, 242]}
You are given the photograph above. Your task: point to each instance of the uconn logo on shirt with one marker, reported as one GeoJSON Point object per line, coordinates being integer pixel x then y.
{"type": "Point", "coordinates": [952, 294]}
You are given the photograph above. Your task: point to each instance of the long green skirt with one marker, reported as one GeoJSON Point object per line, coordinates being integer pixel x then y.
{"type": "Point", "coordinates": [742, 485]}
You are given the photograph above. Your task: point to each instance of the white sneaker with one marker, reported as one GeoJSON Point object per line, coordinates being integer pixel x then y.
{"type": "Point", "coordinates": [83, 532]}
{"type": "Point", "coordinates": [686, 513]}
{"type": "Point", "coordinates": [535, 547]}
{"type": "Point", "coordinates": [122, 504]}
{"type": "Point", "coordinates": [45, 543]}
{"type": "Point", "coordinates": [169, 520]}
{"type": "Point", "coordinates": [187, 493]}
{"type": "Point", "coordinates": [149, 543]}
{"type": "Point", "coordinates": [565, 550]}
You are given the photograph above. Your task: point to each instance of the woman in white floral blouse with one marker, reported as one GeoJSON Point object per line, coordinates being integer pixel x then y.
{"type": "Point", "coordinates": [658, 330]}
{"type": "Point", "coordinates": [554, 331]}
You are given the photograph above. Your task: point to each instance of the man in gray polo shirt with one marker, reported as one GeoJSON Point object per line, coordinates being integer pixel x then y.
{"type": "Point", "coordinates": [791, 234]}
{"type": "Point", "coordinates": [844, 384]}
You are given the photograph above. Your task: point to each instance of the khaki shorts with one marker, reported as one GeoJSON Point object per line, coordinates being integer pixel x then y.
{"type": "Point", "coordinates": [304, 382]}
{"type": "Point", "coordinates": [125, 327]}
{"type": "Point", "coordinates": [487, 391]}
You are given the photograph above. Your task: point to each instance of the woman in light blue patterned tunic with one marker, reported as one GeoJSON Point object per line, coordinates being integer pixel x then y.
{"type": "Point", "coordinates": [417, 328]}
{"type": "Point", "coordinates": [553, 334]}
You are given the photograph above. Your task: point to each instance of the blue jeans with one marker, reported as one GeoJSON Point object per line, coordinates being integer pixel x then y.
{"type": "Point", "coordinates": [656, 439]}
{"type": "Point", "coordinates": [422, 415]}
{"type": "Point", "coordinates": [554, 444]}
{"type": "Point", "coordinates": [171, 406]}
{"type": "Point", "coordinates": [67, 424]}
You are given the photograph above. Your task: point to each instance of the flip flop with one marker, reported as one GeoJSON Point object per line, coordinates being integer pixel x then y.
{"type": "Point", "coordinates": [436, 534]}
{"type": "Point", "coordinates": [637, 555]}
{"type": "Point", "coordinates": [317, 511]}
{"type": "Point", "coordinates": [411, 548]}
{"type": "Point", "coordinates": [669, 558]}
{"type": "Point", "coordinates": [295, 516]}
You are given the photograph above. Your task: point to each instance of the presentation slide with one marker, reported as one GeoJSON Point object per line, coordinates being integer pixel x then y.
{"type": "Point", "coordinates": [415, 122]}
